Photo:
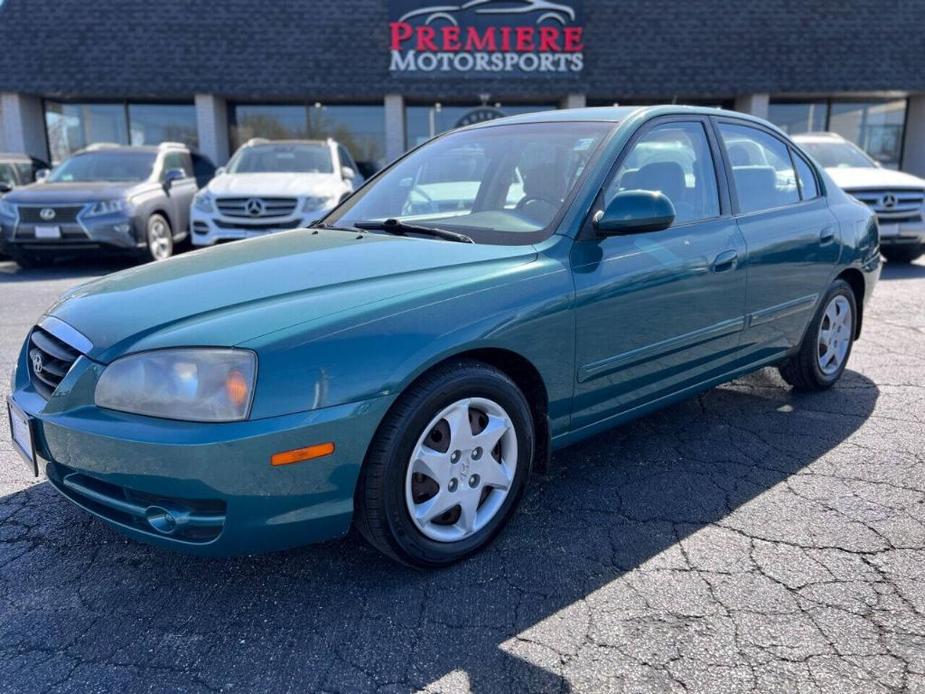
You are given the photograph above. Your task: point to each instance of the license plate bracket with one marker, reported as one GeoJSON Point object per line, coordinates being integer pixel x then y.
{"type": "Point", "coordinates": [22, 432]}
{"type": "Point", "coordinates": [47, 232]}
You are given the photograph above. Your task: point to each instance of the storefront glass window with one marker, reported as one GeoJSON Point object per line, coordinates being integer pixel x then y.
{"type": "Point", "coordinates": [73, 126]}
{"type": "Point", "coordinates": [797, 118]}
{"type": "Point", "coordinates": [423, 122]}
{"type": "Point", "coordinates": [874, 126]}
{"type": "Point", "coordinates": [877, 128]}
{"type": "Point", "coordinates": [151, 124]}
{"type": "Point", "coordinates": [360, 128]}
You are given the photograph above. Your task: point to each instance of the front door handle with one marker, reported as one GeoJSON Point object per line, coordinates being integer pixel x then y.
{"type": "Point", "coordinates": [725, 261]}
{"type": "Point", "coordinates": [827, 235]}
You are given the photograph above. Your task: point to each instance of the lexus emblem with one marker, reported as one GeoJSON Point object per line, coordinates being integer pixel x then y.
{"type": "Point", "coordinates": [47, 213]}
{"type": "Point", "coordinates": [38, 361]}
{"type": "Point", "coordinates": [254, 207]}
{"type": "Point", "coordinates": [888, 201]}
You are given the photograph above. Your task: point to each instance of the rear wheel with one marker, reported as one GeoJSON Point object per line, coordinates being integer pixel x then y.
{"type": "Point", "coordinates": [824, 352]}
{"type": "Point", "coordinates": [448, 466]}
{"type": "Point", "coordinates": [903, 254]}
{"type": "Point", "coordinates": [158, 239]}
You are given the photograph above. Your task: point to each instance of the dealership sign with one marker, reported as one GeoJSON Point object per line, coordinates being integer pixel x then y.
{"type": "Point", "coordinates": [486, 37]}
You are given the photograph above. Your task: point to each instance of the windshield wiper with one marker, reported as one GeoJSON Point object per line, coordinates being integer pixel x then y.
{"type": "Point", "coordinates": [400, 228]}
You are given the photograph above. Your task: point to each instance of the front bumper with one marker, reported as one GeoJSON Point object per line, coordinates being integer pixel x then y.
{"type": "Point", "coordinates": [214, 482]}
{"type": "Point", "coordinates": [901, 234]}
{"type": "Point", "coordinates": [209, 228]}
{"type": "Point", "coordinates": [114, 232]}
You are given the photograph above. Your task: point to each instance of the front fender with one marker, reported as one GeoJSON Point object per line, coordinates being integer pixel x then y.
{"type": "Point", "coordinates": [524, 309]}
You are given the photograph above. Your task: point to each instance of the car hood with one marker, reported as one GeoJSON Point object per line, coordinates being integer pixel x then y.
{"type": "Point", "coordinates": [274, 184]}
{"type": "Point", "coordinates": [851, 178]}
{"type": "Point", "coordinates": [63, 193]}
{"type": "Point", "coordinates": [233, 293]}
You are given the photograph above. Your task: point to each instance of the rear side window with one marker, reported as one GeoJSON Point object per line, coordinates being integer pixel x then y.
{"type": "Point", "coordinates": [807, 179]}
{"type": "Point", "coordinates": [675, 160]}
{"type": "Point", "coordinates": [761, 168]}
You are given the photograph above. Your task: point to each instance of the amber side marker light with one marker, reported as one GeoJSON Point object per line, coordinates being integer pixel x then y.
{"type": "Point", "coordinates": [300, 455]}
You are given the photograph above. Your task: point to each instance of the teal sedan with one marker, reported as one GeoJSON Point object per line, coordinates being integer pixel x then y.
{"type": "Point", "coordinates": [404, 365]}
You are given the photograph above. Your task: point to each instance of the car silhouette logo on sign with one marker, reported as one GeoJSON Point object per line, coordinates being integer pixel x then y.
{"type": "Point", "coordinates": [254, 207]}
{"type": "Point", "coordinates": [47, 214]}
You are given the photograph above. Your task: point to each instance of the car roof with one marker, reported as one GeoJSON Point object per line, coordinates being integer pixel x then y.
{"type": "Point", "coordinates": [615, 114]}
{"type": "Point", "coordinates": [818, 137]}
{"type": "Point", "coordinates": [268, 143]}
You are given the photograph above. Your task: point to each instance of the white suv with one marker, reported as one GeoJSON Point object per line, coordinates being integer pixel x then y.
{"type": "Point", "coordinates": [270, 186]}
{"type": "Point", "coordinates": [896, 197]}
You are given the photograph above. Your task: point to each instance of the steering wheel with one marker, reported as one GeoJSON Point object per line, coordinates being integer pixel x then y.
{"type": "Point", "coordinates": [530, 198]}
{"type": "Point", "coordinates": [410, 206]}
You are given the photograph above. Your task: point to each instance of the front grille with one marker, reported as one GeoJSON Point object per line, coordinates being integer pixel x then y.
{"type": "Point", "coordinates": [893, 205]}
{"type": "Point", "coordinates": [50, 358]}
{"type": "Point", "coordinates": [256, 208]}
{"type": "Point", "coordinates": [64, 214]}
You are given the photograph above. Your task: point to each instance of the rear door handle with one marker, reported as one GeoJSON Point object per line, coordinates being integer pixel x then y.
{"type": "Point", "coordinates": [827, 235]}
{"type": "Point", "coordinates": [725, 261]}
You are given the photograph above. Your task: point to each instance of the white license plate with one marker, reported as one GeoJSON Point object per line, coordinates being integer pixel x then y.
{"type": "Point", "coordinates": [48, 232]}
{"type": "Point", "coordinates": [21, 430]}
{"type": "Point", "coordinates": [889, 230]}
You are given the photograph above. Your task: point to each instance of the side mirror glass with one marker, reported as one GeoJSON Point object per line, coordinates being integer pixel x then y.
{"type": "Point", "coordinates": [347, 173]}
{"type": "Point", "coordinates": [5, 187]}
{"type": "Point", "coordinates": [171, 176]}
{"type": "Point", "coordinates": [633, 212]}
{"type": "Point", "coordinates": [41, 175]}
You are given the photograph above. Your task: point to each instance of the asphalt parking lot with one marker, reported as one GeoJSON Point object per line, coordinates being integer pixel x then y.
{"type": "Point", "coordinates": [748, 539]}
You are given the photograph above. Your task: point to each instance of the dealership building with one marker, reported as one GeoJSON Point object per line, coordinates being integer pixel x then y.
{"type": "Point", "coordinates": [382, 76]}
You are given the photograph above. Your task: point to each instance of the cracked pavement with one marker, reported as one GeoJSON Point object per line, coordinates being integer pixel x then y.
{"type": "Point", "coordinates": [749, 539]}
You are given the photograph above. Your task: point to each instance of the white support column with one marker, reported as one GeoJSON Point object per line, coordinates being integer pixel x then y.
{"type": "Point", "coordinates": [754, 104]}
{"type": "Point", "coordinates": [914, 142]}
{"type": "Point", "coordinates": [212, 124]}
{"type": "Point", "coordinates": [23, 125]}
{"type": "Point", "coordinates": [573, 101]}
{"type": "Point", "coordinates": [394, 126]}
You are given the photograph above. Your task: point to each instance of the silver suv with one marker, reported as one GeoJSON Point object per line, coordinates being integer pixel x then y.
{"type": "Point", "coordinates": [105, 198]}
{"type": "Point", "coordinates": [898, 198]}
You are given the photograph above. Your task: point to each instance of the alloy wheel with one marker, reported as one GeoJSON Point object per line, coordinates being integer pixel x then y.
{"type": "Point", "coordinates": [835, 334]}
{"type": "Point", "coordinates": [160, 242]}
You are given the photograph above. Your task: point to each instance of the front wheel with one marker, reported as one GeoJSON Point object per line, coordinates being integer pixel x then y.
{"type": "Point", "coordinates": [824, 352]}
{"type": "Point", "coordinates": [903, 254]}
{"type": "Point", "coordinates": [158, 239]}
{"type": "Point", "coordinates": [448, 466]}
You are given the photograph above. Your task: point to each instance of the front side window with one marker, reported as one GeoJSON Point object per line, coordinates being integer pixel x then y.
{"type": "Point", "coordinates": [761, 168]}
{"type": "Point", "coordinates": [673, 159]}
{"type": "Point", "coordinates": [501, 184]}
{"type": "Point", "coordinates": [282, 158]}
{"type": "Point", "coordinates": [178, 160]}
{"type": "Point", "coordinates": [105, 166]}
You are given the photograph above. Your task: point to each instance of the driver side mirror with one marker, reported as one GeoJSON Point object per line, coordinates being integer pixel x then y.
{"type": "Point", "coordinates": [5, 187]}
{"type": "Point", "coordinates": [172, 176]}
{"type": "Point", "coordinates": [41, 175]}
{"type": "Point", "coordinates": [633, 212]}
{"type": "Point", "coordinates": [347, 173]}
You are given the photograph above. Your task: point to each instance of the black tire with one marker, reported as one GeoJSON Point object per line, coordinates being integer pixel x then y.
{"type": "Point", "coordinates": [802, 370]}
{"type": "Point", "coordinates": [30, 261]}
{"type": "Point", "coordinates": [903, 254]}
{"type": "Point", "coordinates": [158, 239]}
{"type": "Point", "coordinates": [382, 515]}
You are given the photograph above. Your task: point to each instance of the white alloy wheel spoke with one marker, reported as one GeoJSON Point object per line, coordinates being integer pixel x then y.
{"type": "Point", "coordinates": [469, 509]}
{"type": "Point", "coordinates": [433, 464]}
{"type": "Point", "coordinates": [460, 426]}
{"type": "Point", "coordinates": [488, 438]}
{"type": "Point", "coordinates": [436, 506]}
{"type": "Point", "coordinates": [494, 474]}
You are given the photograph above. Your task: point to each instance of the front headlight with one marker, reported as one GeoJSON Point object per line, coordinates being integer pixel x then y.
{"type": "Point", "coordinates": [313, 203]}
{"type": "Point", "coordinates": [7, 209]}
{"type": "Point", "coordinates": [202, 201]}
{"type": "Point", "coordinates": [106, 207]}
{"type": "Point", "coordinates": [193, 384]}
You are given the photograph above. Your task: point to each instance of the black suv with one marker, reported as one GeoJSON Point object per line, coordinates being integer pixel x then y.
{"type": "Point", "coordinates": [107, 197]}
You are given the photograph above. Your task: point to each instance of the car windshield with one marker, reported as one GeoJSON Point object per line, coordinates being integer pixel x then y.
{"type": "Point", "coordinates": [105, 166]}
{"type": "Point", "coordinates": [283, 158]}
{"type": "Point", "coordinates": [499, 184]}
{"type": "Point", "coordinates": [7, 175]}
{"type": "Point", "coordinates": [833, 155]}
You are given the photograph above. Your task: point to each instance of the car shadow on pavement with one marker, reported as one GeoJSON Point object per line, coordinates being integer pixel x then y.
{"type": "Point", "coordinates": [82, 606]}
{"type": "Point", "coordinates": [894, 271]}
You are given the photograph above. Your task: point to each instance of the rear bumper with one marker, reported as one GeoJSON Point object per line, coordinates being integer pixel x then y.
{"type": "Point", "coordinates": [207, 489]}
